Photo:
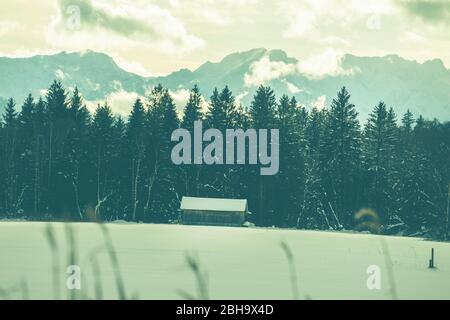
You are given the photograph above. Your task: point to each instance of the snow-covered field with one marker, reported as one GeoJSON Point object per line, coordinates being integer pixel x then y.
{"type": "Point", "coordinates": [241, 263]}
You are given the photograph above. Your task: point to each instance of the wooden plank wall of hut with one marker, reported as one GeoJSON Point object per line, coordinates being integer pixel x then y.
{"type": "Point", "coordinates": [220, 218]}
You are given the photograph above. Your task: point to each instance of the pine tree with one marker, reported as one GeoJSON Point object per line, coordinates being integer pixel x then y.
{"type": "Point", "coordinates": [25, 152]}
{"type": "Point", "coordinates": [102, 139]}
{"type": "Point", "coordinates": [222, 114]}
{"type": "Point", "coordinates": [10, 116]}
{"type": "Point", "coordinates": [192, 112]}
{"type": "Point", "coordinates": [163, 182]}
{"type": "Point", "coordinates": [26, 115]}
{"type": "Point", "coordinates": [408, 121]}
{"type": "Point", "coordinates": [380, 141]}
{"type": "Point", "coordinates": [136, 140]}
{"type": "Point", "coordinates": [290, 178]}
{"type": "Point", "coordinates": [76, 102]}
{"type": "Point", "coordinates": [39, 131]}
{"type": "Point", "coordinates": [120, 180]}
{"type": "Point", "coordinates": [413, 172]}
{"type": "Point", "coordinates": [314, 213]}
{"type": "Point", "coordinates": [193, 109]}
{"type": "Point", "coordinates": [263, 114]}
{"type": "Point", "coordinates": [263, 108]}
{"type": "Point", "coordinates": [420, 122]}
{"type": "Point", "coordinates": [341, 158]}
{"type": "Point", "coordinates": [10, 151]}
{"type": "Point", "coordinates": [424, 179]}
{"type": "Point", "coordinates": [76, 149]}
{"type": "Point", "coordinates": [58, 186]}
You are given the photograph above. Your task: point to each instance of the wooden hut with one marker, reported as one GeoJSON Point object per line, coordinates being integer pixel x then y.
{"type": "Point", "coordinates": [213, 211]}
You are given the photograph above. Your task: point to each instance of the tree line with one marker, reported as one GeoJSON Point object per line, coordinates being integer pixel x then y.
{"type": "Point", "coordinates": [60, 162]}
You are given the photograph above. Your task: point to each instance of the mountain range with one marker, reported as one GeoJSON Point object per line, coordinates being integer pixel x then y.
{"type": "Point", "coordinates": [424, 88]}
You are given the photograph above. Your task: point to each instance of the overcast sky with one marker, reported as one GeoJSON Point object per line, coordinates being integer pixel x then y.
{"type": "Point", "coordinates": [157, 37]}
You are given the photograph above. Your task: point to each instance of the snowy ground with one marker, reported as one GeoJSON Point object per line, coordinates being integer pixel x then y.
{"type": "Point", "coordinates": [241, 263]}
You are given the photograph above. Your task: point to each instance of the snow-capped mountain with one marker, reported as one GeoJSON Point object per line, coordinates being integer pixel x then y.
{"type": "Point", "coordinates": [424, 88]}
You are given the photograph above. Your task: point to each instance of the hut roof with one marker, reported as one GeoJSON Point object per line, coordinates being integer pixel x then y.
{"type": "Point", "coordinates": [213, 204]}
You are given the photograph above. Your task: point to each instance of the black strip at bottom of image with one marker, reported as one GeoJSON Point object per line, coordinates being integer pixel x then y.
{"type": "Point", "coordinates": [222, 309]}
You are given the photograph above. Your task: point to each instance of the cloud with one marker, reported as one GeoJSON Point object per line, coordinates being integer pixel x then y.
{"type": "Point", "coordinates": [7, 26]}
{"type": "Point", "coordinates": [180, 97]}
{"type": "Point", "coordinates": [132, 66]}
{"type": "Point", "coordinates": [317, 20]}
{"type": "Point", "coordinates": [219, 13]}
{"type": "Point", "coordinates": [329, 63]}
{"type": "Point", "coordinates": [320, 102]}
{"type": "Point", "coordinates": [301, 22]}
{"type": "Point", "coordinates": [414, 37]}
{"type": "Point", "coordinates": [334, 41]}
{"type": "Point", "coordinates": [60, 75]}
{"type": "Point", "coordinates": [292, 88]}
{"type": "Point", "coordinates": [433, 11]}
{"type": "Point", "coordinates": [216, 17]}
{"type": "Point", "coordinates": [43, 92]}
{"type": "Point", "coordinates": [120, 102]}
{"type": "Point", "coordinates": [265, 70]}
{"type": "Point", "coordinates": [241, 96]}
{"type": "Point", "coordinates": [112, 23]}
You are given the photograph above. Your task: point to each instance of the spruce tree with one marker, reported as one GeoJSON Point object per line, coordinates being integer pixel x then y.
{"type": "Point", "coordinates": [413, 176]}
{"type": "Point", "coordinates": [26, 153]}
{"type": "Point", "coordinates": [102, 139]}
{"type": "Point", "coordinates": [163, 182]}
{"type": "Point", "coordinates": [40, 125]}
{"type": "Point", "coordinates": [10, 151]}
{"type": "Point", "coordinates": [290, 178]}
{"type": "Point", "coordinates": [380, 141]}
{"type": "Point", "coordinates": [222, 114]}
{"type": "Point", "coordinates": [120, 180]}
{"type": "Point", "coordinates": [58, 186]}
{"type": "Point", "coordinates": [78, 167]}
{"type": "Point", "coordinates": [26, 115]}
{"type": "Point", "coordinates": [408, 121]}
{"type": "Point", "coordinates": [314, 214]}
{"type": "Point", "coordinates": [10, 115]}
{"type": "Point", "coordinates": [263, 116]}
{"type": "Point", "coordinates": [341, 160]}
{"type": "Point", "coordinates": [192, 112]}
{"type": "Point", "coordinates": [136, 141]}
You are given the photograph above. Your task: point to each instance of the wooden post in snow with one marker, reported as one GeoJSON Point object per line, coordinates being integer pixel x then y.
{"type": "Point", "coordinates": [431, 261]}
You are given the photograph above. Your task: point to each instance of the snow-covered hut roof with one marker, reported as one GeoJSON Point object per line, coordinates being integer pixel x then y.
{"type": "Point", "coordinates": [213, 204]}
